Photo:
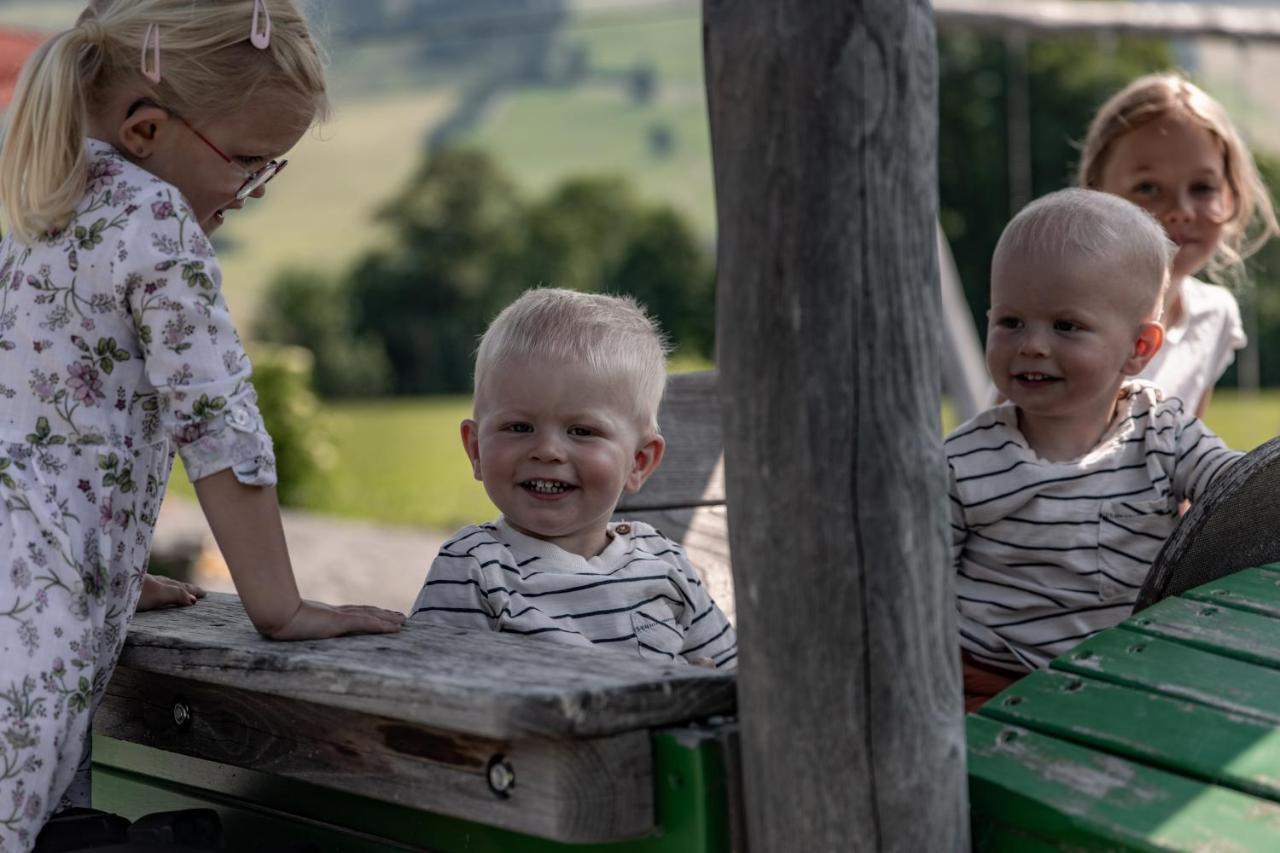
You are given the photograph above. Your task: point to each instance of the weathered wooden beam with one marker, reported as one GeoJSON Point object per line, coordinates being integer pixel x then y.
{"type": "Point", "coordinates": [469, 682]}
{"type": "Point", "coordinates": [1059, 17]}
{"type": "Point", "coordinates": [571, 790]}
{"type": "Point", "coordinates": [824, 131]}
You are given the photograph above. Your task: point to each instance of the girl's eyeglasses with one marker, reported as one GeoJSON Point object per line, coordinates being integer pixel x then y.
{"type": "Point", "coordinates": [253, 180]}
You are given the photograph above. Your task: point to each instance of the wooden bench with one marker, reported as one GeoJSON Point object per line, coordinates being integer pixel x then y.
{"type": "Point", "coordinates": [1163, 732]}
{"type": "Point", "coordinates": [437, 738]}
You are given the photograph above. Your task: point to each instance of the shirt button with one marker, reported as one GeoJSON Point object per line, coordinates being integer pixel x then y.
{"type": "Point", "coordinates": [623, 529]}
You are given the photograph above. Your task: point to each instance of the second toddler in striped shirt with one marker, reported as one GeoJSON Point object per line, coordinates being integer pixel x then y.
{"type": "Point", "coordinates": [567, 387]}
{"type": "Point", "coordinates": [1062, 496]}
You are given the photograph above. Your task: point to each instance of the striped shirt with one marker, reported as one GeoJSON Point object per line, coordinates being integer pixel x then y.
{"type": "Point", "coordinates": [1048, 554]}
{"type": "Point", "coordinates": [640, 595]}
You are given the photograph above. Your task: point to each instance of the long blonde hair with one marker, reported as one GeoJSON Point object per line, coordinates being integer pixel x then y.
{"type": "Point", "coordinates": [1154, 96]}
{"type": "Point", "coordinates": [208, 69]}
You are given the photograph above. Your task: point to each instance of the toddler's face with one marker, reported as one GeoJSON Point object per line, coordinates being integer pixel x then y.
{"type": "Point", "coordinates": [1061, 336]}
{"type": "Point", "coordinates": [555, 446]}
{"type": "Point", "coordinates": [1175, 169]}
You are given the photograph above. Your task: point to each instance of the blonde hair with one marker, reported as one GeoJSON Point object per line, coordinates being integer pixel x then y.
{"type": "Point", "coordinates": [208, 69]}
{"type": "Point", "coordinates": [1158, 95]}
{"type": "Point", "coordinates": [613, 336]}
{"type": "Point", "coordinates": [1100, 228]}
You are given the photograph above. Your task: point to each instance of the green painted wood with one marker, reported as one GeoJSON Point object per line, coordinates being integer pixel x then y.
{"type": "Point", "coordinates": [1222, 630]}
{"type": "Point", "coordinates": [1084, 799]}
{"type": "Point", "coordinates": [261, 812]}
{"type": "Point", "coordinates": [1187, 738]}
{"type": "Point", "coordinates": [1179, 671]}
{"type": "Point", "coordinates": [1256, 590]}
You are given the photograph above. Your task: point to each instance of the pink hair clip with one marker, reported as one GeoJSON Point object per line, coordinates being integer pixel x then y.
{"type": "Point", "coordinates": [151, 40]}
{"type": "Point", "coordinates": [261, 39]}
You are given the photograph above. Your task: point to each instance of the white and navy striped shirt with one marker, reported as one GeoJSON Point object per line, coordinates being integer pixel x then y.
{"type": "Point", "coordinates": [639, 595]}
{"type": "Point", "coordinates": [1048, 554]}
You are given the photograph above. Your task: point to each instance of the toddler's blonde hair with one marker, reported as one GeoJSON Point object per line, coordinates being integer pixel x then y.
{"type": "Point", "coordinates": [1098, 227]}
{"type": "Point", "coordinates": [1155, 96]}
{"type": "Point", "coordinates": [613, 336]}
{"type": "Point", "coordinates": [208, 70]}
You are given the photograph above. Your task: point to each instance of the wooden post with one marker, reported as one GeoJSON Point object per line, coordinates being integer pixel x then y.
{"type": "Point", "coordinates": [824, 129]}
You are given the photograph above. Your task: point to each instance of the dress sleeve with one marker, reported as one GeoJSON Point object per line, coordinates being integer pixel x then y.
{"type": "Point", "coordinates": [192, 354]}
{"type": "Point", "coordinates": [1200, 458]}
{"type": "Point", "coordinates": [454, 593]}
{"type": "Point", "coordinates": [708, 634]}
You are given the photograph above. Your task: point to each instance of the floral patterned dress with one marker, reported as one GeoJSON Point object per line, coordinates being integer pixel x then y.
{"type": "Point", "coordinates": [115, 348]}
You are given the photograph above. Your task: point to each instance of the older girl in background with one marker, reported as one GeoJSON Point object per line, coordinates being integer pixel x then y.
{"type": "Point", "coordinates": [1167, 146]}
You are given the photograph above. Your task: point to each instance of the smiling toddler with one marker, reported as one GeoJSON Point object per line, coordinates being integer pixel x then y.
{"type": "Point", "coordinates": [567, 387]}
{"type": "Point", "coordinates": [1062, 496]}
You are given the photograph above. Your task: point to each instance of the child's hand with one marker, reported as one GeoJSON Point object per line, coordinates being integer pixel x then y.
{"type": "Point", "coordinates": [701, 661]}
{"type": "Point", "coordinates": [316, 621]}
{"type": "Point", "coordinates": [159, 591]}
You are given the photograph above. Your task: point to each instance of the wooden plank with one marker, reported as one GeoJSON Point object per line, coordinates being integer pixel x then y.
{"type": "Point", "coordinates": [1222, 630]}
{"type": "Point", "coordinates": [824, 129]}
{"type": "Point", "coordinates": [704, 533]}
{"type": "Point", "coordinates": [478, 683]}
{"type": "Point", "coordinates": [1186, 738]}
{"type": "Point", "coordinates": [1116, 18]}
{"type": "Point", "coordinates": [592, 789]}
{"type": "Point", "coordinates": [1177, 671]}
{"type": "Point", "coordinates": [1256, 590]}
{"type": "Point", "coordinates": [692, 471]}
{"type": "Point", "coordinates": [1086, 799]}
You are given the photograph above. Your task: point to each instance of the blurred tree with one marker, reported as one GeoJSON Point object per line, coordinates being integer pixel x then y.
{"type": "Point", "coordinates": [463, 245]}
{"type": "Point", "coordinates": [1067, 79]}
{"type": "Point", "coordinates": [304, 454]}
{"type": "Point", "coordinates": [457, 230]}
{"type": "Point", "coordinates": [311, 309]}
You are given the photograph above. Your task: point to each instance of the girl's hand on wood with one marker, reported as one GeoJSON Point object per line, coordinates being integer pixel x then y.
{"type": "Point", "coordinates": [316, 621]}
{"type": "Point", "coordinates": [159, 591]}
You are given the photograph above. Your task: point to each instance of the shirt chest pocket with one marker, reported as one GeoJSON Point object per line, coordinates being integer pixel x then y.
{"type": "Point", "coordinates": [1130, 535]}
{"type": "Point", "coordinates": [659, 636]}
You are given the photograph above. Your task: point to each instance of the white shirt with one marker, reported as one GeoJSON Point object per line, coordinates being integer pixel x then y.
{"type": "Point", "coordinates": [1048, 554]}
{"type": "Point", "coordinates": [1200, 347]}
{"type": "Point", "coordinates": [640, 595]}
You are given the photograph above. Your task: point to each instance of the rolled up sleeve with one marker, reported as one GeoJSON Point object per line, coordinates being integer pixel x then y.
{"type": "Point", "coordinates": [193, 356]}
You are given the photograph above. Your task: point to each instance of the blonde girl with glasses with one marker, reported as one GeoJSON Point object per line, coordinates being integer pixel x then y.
{"type": "Point", "coordinates": [1167, 146]}
{"type": "Point", "coordinates": [130, 138]}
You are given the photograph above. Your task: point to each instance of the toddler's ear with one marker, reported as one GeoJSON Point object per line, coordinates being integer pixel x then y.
{"type": "Point", "coordinates": [646, 461]}
{"type": "Point", "coordinates": [1145, 346]}
{"type": "Point", "coordinates": [471, 443]}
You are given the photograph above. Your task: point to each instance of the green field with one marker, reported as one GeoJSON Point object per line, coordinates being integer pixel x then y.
{"type": "Point", "coordinates": [401, 461]}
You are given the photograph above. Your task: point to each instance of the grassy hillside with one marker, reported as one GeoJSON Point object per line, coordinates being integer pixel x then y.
{"type": "Point", "coordinates": [401, 461]}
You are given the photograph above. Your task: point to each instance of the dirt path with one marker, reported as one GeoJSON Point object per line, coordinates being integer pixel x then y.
{"type": "Point", "coordinates": [336, 560]}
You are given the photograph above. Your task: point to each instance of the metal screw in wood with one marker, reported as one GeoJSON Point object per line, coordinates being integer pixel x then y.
{"type": "Point", "coordinates": [181, 714]}
{"type": "Point", "coordinates": [502, 776]}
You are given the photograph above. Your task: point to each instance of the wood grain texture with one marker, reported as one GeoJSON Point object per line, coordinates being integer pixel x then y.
{"type": "Point", "coordinates": [1232, 750]}
{"type": "Point", "coordinates": [478, 683]}
{"type": "Point", "coordinates": [1232, 527]}
{"type": "Point", "coordinates": [583, 790]}
{"type": "Point", "coordinates": [1172, 669]}
{"type": "Point", "coordinates": [1085, 800]}
{"type": "Point", "coordinates": [692, 471]}
{"type": "Point", "coordinates": [824, 129]}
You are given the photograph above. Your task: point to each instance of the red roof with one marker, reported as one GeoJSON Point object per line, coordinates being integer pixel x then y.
{"type": "Point", "coordinates": [15, 47]}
